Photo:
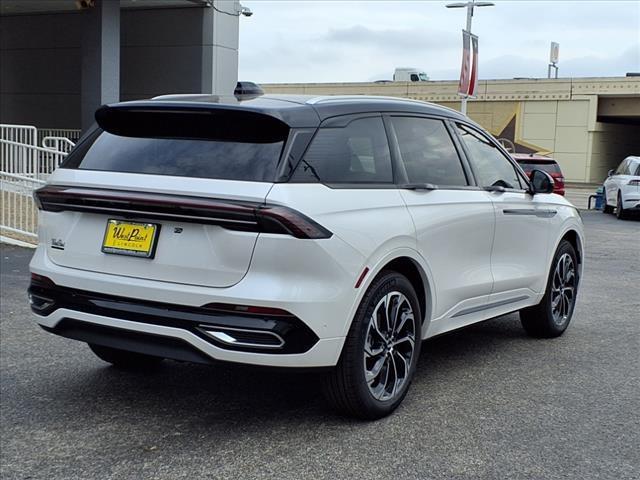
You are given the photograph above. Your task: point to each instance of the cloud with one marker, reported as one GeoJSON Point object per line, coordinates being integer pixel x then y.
{"type": "Point", "coordinates": [512, 66]}
{"type": "Point", "coordinates": [391, 40]}
{"type": "Point", "coordinates": [361, 41]}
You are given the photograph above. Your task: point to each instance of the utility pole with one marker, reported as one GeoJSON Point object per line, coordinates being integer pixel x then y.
{"type": "Point", "coordinates": [469, 6]}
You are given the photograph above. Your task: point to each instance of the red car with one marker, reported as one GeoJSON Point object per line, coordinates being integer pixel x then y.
{"type": "Point", "coordinates": [531, 161]}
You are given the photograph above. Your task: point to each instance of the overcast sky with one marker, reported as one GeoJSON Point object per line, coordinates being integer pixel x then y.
{"type": "Point", "coordinates": [340, 41]}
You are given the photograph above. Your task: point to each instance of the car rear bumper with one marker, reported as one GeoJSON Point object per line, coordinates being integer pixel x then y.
{"type": "Point", "coordinates": [115, 308]}
{"type": "Point", "coordinates": [176, 343]}
{"type": "Point", "coordinates": [632, 204]}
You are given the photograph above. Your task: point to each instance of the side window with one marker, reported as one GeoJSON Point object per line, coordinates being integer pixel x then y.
{"type": "Point", "coordinates": [637, 174]}
{"type": "Point", "coordinates": [414, 77]}
{"type": "Point", "coordinates": [490, 165]}
{"type": "Point", "coordinates": [622, 168]}
{"type": "Point", "coordinates": [427, 151]}
{"type": "Point", "coordinates": [357, 153]}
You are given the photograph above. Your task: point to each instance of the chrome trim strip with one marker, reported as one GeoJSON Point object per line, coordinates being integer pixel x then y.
{"type": "Point", "coordinates": [212, 330]}
{"type": "Point", "coordinates": [488, 306]}
{"type": "Point", "coordinates": [543, 213]}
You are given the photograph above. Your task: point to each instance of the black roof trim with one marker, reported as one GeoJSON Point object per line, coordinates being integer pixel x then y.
{"type": "Point", "coordinates": [298, 111]}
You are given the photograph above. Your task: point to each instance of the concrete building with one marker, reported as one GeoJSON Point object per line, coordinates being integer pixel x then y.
{"type": "Point", "coordinates": [61, 59]}
{"type": "Point", "coordinates": [588, 124]}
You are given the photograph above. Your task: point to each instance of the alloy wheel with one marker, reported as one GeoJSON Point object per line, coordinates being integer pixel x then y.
{"type": "Point", "coordinates": [389, 346]}
{"type": "Point", "coordinates": [563, 289]}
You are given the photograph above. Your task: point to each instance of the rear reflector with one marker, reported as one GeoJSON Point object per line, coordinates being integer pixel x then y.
{"type": "Point", "coordinates": [243, 337]}
{"type": "Point", "coordinates": [248, 309]}
{"type": "Point", "coordinates": [362, 277]}
{"type": "Point", "coordinates": [230, 214]}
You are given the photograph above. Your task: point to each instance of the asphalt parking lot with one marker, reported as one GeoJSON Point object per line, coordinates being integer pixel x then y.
{"type": "Point", "coordinates": [488, 402]}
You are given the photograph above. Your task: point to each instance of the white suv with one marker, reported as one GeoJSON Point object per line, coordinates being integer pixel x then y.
{"type": "Point", "coordinates": [293, 231]}
{"type": "Point", "coordinates": [622, 188]}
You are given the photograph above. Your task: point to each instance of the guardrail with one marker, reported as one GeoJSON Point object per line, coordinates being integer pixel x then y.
{"type": "Point", "coordinates": [24, 166]}
{"type": "Point", "coordinates": [29, 160]}
{"type": "Point", "coordinates": [71, 134]}
{"type": "Point", "coordinates": [60, 144]}
{"type": "Point", "coordinates": [18, 213]}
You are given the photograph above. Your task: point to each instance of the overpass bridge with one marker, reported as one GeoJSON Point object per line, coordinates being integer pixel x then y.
{"type": "Point", "coordinates": [588, 124]}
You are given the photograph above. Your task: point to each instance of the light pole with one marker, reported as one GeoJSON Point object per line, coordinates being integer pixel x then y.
{"type": "Point", "coordinates": [469, 6]}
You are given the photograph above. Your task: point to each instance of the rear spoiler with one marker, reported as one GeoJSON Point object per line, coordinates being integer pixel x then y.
{"type": "Point", "coordinates": [198, 122]}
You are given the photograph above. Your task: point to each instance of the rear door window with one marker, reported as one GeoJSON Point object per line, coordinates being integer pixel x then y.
{"type": "Point", "coordinates": [356, 153]}
{"type": "Point", "coordinates": [427, 151]}
{"type": "Point", "coordinates": [622, 168]}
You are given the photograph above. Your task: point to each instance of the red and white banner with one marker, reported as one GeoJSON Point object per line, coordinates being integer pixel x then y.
{"type": "Point", "coordinates": [469, 70]}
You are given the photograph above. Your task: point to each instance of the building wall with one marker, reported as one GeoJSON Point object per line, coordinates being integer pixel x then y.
{"type": "Point", "coordinates": [40, 61]}
{"type": "Point", "coordinates": [40, 58]}
{"type": "Point", "coordinates": [610, 143]}
{"type": "Point", "coordinates": [558, 128]}
{"type": "Point", "coordinates": [161, 52]}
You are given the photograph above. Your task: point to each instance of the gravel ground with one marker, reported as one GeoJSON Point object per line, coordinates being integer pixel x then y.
{"type": "Point", "coordinates": [487, 402]}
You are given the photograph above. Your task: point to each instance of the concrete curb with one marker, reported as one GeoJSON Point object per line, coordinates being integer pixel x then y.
{"type": "Point", "coordinates": [13, 241]}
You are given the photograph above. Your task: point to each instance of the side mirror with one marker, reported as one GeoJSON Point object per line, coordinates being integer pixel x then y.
{"type": "Point", "coordinates": [541, 182]}
{"type": "Point", "coordinates": [610, 172]}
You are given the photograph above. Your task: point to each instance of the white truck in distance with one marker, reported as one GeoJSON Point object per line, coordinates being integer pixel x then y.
{"type": "Point", "coordinates": [409, 75]}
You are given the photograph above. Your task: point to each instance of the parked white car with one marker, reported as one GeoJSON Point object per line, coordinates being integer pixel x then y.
{"type": "Point", "coordinates": [622, 188]}
{"type": "Point", "coordinates": [293, 231]}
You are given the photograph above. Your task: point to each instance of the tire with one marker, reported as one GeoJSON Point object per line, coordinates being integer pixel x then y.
{"type": "Point", "coordinates": [605, 208]}
{"type": "Point", "coordinates": [620, 213]}
{"type": "Point", "coordinates": [388, 355]}
{"type": "Point", "coordinates": [551, 317]}
{"type": "Point", "coordinates": [123, 359]}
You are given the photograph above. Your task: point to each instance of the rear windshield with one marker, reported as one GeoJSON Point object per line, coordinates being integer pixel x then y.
{"type": "Point", "coordinates": [224, 160]}
{"type": "Point", "coordinates": [548, 167]}
{"type": "Point", "coordinates": [185, 142]}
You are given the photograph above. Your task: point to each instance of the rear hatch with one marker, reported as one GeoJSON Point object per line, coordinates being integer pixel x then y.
{"type": "Point", "coordinates": [164, 193]}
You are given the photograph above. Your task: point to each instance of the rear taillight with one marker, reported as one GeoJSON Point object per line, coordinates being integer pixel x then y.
{"type": "Point", "coordinates": [279, 219]}
{"type": "Point", "coordinates": [230, 214]}
{"type": "Point", "coordinates": [634, 182]}
{"type": "Point", "coordinates": [42, 280]}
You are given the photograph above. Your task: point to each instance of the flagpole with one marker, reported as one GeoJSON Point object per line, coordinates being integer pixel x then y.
{"type": "Point", "coordinates": [463, 103]}
{"type": "Point", "coordinates": [469, 6]}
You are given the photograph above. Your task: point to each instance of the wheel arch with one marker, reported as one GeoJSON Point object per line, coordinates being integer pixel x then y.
{"type": "Point", "coordinates": [574, 237]}
{"type": "Point", "coordinates": [406, 262]}
{"type": "Point", "coordinates": [413, 272]}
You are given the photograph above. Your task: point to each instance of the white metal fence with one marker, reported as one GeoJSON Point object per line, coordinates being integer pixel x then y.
{"type": "Point", "coordinates": [18, 214]}
{"type": "Point", "coordinates": [27, 157]}
{"type": "Point", "coordinates": [29, 160]}
{"type": "Point", "coordinates": [72, 135]}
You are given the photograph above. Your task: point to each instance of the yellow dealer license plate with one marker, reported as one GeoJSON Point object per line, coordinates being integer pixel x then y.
{"type": "Point", "coordinates": [129, 238]}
